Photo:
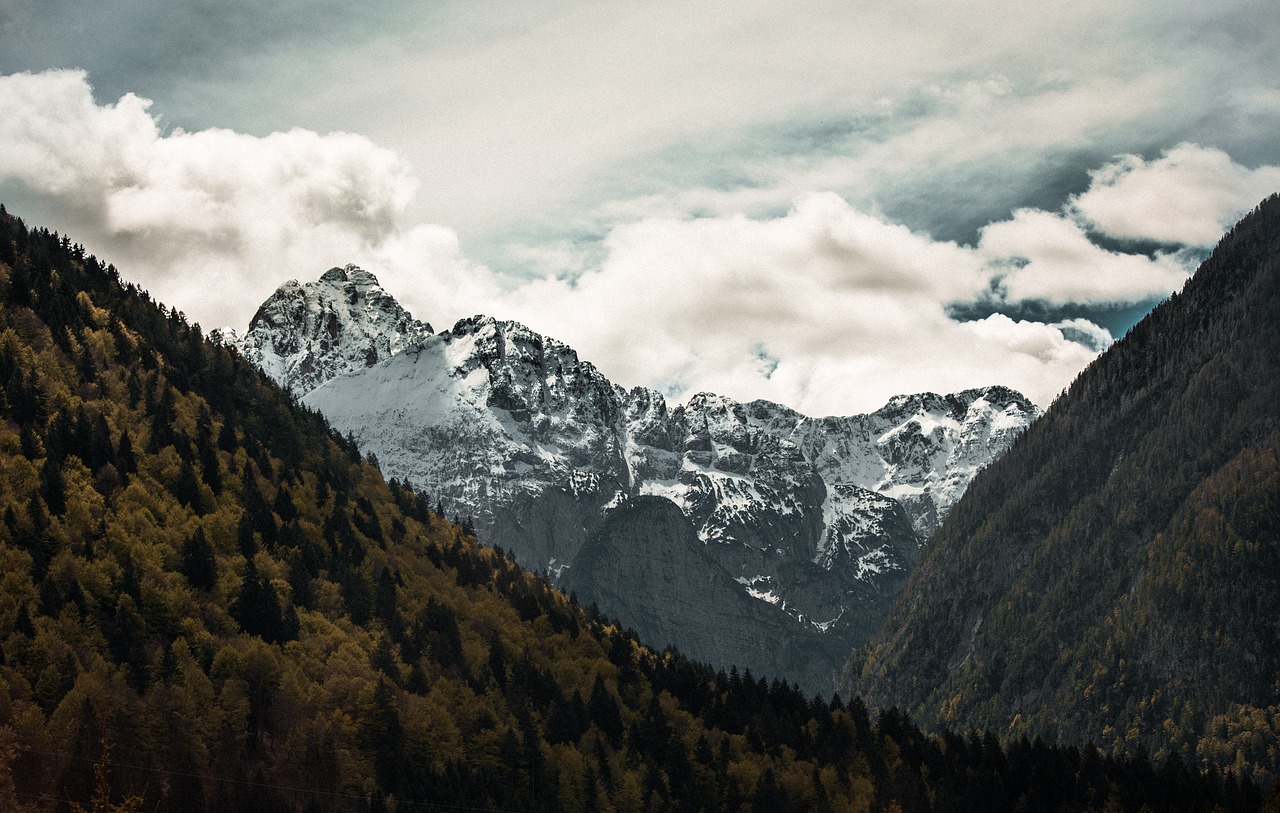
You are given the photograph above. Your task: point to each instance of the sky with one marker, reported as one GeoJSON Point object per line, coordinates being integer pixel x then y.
{"type": "Point", "coordinates": [821, 203]}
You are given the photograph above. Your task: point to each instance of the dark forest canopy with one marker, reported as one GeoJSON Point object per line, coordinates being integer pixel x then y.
{"type": "Point", "coordinates": [198, 574]}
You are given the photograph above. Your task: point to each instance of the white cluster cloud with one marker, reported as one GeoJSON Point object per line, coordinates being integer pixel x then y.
{"type": "Point", "coordinates": [1046, 257]}
{"type": "Point", "coordinates": [1190, 195]}
{"type": "Point", "coordinates": [213, 220]}
{"type": "Point", "coordinates": [846, 308]}
{"type": "Point", "coordinates": [828, 308]}
{"type": "Point", "coordinates": [850, 308]}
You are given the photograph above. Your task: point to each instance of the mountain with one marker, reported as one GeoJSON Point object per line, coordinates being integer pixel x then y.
{"type": "Point", "coordinates": [1115, 577]}
{"type": "Point", "coordinates": [305, 334]}
{"type": "Point", "coordinates": [820, 519]}
{"type": "Point", "coordinates": [212, 602]}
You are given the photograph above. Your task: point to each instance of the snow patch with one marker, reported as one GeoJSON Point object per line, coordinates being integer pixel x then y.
{"type": "Point", "coordinates": [767, 596]}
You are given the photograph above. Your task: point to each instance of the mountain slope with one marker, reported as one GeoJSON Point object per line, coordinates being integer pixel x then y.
{"type": "Point", "coordinates": [1116, 576]}
{"type": "Point", "coordinates": [647, 562]}
{"type": "Point", "coordinates": [821, 519]}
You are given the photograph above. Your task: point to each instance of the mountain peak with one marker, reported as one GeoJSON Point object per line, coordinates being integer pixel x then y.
{"type": "Point", "coordinates": [307, 333]}
{"type": "Point", "coordinates": [820, 519]}
{"type": "Point", "coordinates": [334, 276]}
{"type": "Point", "coordinates": [469, 325]}
{"type": "Point", "coordinates": [997, 394]}
{"type": "Point", "coordinates": [355, 283]}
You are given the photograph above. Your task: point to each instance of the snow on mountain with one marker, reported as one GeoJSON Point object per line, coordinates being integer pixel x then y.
{"type": "Point", "coordinates": [500, 424]}
{"type": "Point", "coordinates": [305, 334]}
{"type": "Point", "coordinates": [820, 518]}
{"type": "Point", "coordinates": [920, 449]}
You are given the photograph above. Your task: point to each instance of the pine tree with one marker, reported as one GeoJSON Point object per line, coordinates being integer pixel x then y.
{"type": "Point", "coordinates": [199, 563]}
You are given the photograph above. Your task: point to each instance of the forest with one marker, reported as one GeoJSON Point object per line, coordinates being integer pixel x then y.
{"type": "Point", "coordinates": [1115, 577]}
{"type": "Point", "coordinates": [212, 602]}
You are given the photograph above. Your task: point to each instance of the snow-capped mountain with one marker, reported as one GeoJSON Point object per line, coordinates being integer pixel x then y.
{"type": "Point", "coordinates": [305, 334]}
{"type": "Point", "coordinates": [816, 521]}
{"type": "Point", "coordinates": [921, 449]}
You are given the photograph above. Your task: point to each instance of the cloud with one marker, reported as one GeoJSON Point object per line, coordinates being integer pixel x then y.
{"type": "Point", "coordinates": [1085, 333]}
{"type": "Point", "coordinates": [535, 114]}
{"type": "Point", "coordinates": [521, 117]}
{"type": "Point", "coordinates": [161, 44]}
{"type": "Point", "coordinates": [1188, 196]}
{"type": "Point", "coordinates": [194, 216]}
{"type": "Point", "coordinates": [601, 88]}
{"type": "Point", "coordinates": [58, 141]}
{"type": "Point", "coordinates": [1046, 257]}
{"type": "Point", "coordinates": [826, 308]}
{"type": "Point", "coordinates": [983, 127]}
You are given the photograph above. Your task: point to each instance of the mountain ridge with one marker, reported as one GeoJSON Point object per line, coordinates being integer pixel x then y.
{"type": "Point", "coordinates": [532, 443]}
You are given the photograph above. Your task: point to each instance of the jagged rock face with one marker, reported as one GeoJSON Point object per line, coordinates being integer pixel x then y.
{"type": "Point", "coordinates": [741, 486]}
{"type": "Point", "coordinates": [921, 449]}
{"type": "Point", "coordinates": [819, 521]}
{"type": "Point", "coordinates": [305, 334]}
{"type": "Point", "coordinates": [500, 424]}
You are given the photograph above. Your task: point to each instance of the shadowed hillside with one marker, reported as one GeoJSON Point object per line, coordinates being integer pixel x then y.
{"type": "Point", "coordinates": [1116, 576]}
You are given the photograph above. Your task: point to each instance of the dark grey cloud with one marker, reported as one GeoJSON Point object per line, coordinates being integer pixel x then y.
{"type": "Point", "coordinates": [161, 48]}
{"type": "Point", "coordinates": [956, 202]}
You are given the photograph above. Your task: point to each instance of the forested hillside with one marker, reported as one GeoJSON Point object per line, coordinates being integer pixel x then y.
{"type": "Point", "coordinates": [1116, 576]}
{"type": "Point", "coordinates": [200, 578]}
